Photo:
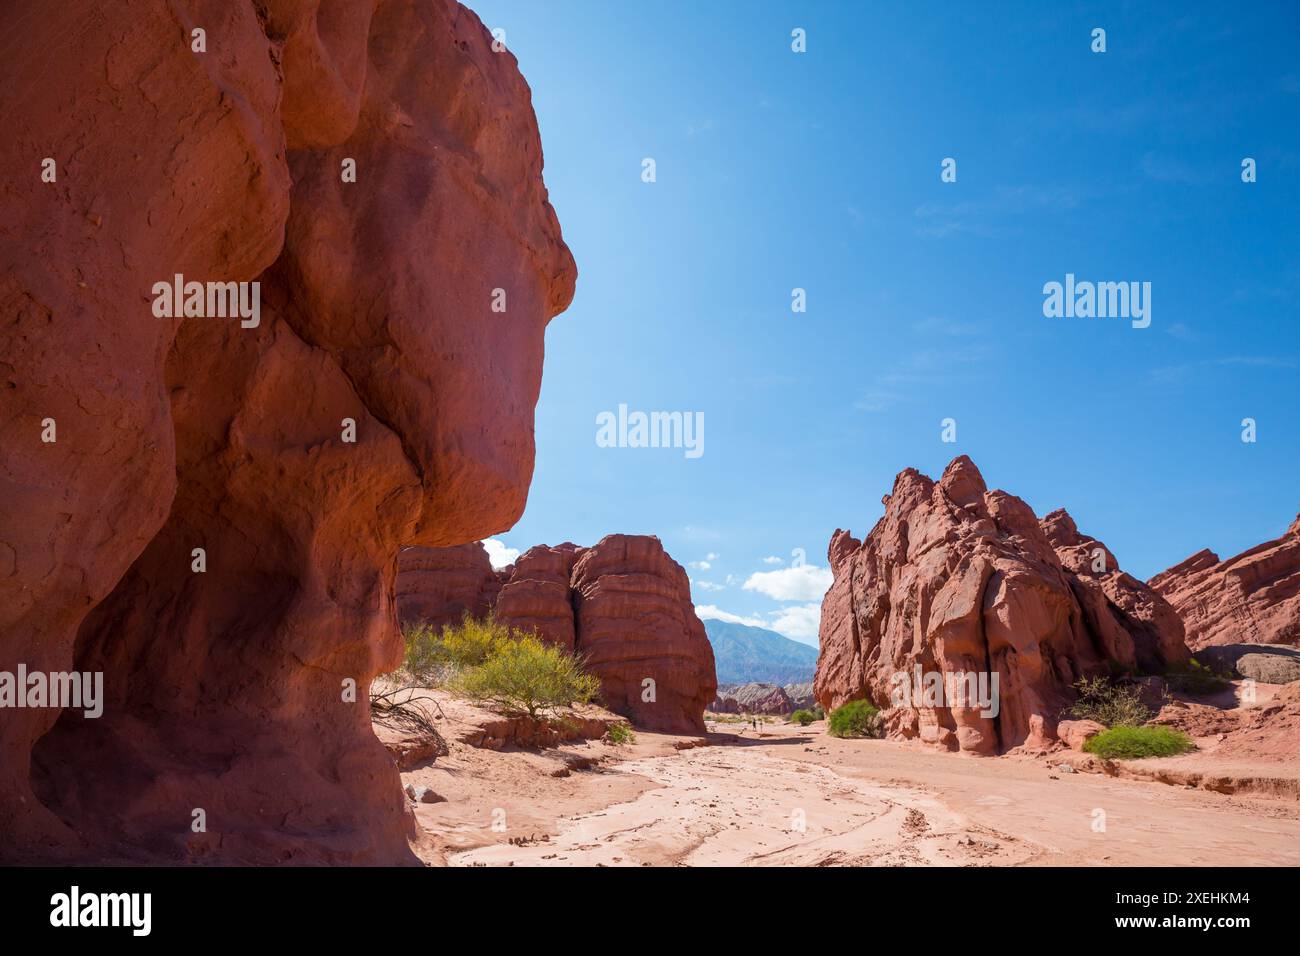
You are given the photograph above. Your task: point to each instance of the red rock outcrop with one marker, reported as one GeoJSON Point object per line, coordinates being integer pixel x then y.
{"type": "Point", "coordinates": [538, 596]}
{"type": "Point", "coordinates": [1150, 620]}
{"type": "Point", "coordinates": [378, 402]}
{"type": "Point", "coordinates": [1253, 598]}
{"type": "Point", "coordinates": [957, 581]}
{"type": "Point", "coordinates": [442, 585]}
{"type": "Point", "coordinates": [625, 606]}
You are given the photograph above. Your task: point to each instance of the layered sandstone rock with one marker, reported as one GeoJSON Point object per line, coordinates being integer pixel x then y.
{"type": "Point", "coordinates": [442, 585]}
{"type": "Point", "coordinates": [958, 581]}
{"type": "Point", "coordinates": [637, 628]}
{"type": "Point", "coordinates": [538, 593]}
{"type": "Point", "coordinates": [625, 606]}
{"type": "Point", "coordinates": [1253, 598]}
{"type": "Point", "coordinates": [378, 402]}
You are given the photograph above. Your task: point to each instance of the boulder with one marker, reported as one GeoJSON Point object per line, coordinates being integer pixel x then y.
{"type": "Point", "coordinates": [216, 528]}
{"type": "Point", "coordinates": [1253, 598]}
{"type": "Point", "coordinates": [1075, 733]}
{"type": "Point", "coordinates": [1266, 663]}
{"type": "Point", "coordinates": [956, 585]}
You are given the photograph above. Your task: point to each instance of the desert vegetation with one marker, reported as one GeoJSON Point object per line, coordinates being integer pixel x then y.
{"type": "Point", "coordinates": [491, 663]}
{"type": "Point", "coordinates": [1111, 703]}
{"type": "Point", "coordinates": [1129, 743]}
{"type": "Point", "coordinates": [1197, 679]}
{"type": "Point", "coordinates": [857, 718]}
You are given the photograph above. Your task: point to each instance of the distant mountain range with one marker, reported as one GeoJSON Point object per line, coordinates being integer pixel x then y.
{"type": "Point", "coordinates": [744, 654]}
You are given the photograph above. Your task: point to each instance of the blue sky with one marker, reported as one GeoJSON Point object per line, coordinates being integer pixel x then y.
{"type": "Point", "coordinates": [821, 170]}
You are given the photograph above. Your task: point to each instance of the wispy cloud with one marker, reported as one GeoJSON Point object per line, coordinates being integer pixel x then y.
{"type": "Point", "coordinates": [922, 368]}
{"type": "Point", "coordinates": [711, 612]}
{"type": "Point", "coordinates": [1188, 371]}
{"type": "Point", "coordinates": [1173, 169]}
{"type": "Point", "coordinates": [991, 215]}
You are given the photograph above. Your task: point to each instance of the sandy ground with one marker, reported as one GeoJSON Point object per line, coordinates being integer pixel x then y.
{"type": "Point", "coordinates": [795, 796]}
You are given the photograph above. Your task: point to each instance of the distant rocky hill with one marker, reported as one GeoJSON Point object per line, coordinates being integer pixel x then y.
{"type": "Point", "coordinates": [759, 698]}
{"type": "Point", "coordinates": [744, 655]}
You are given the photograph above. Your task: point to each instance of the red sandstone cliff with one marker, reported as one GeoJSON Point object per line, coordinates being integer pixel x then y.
{"type": "Point", "coordinates": [442, 585]}
{"type": "Point", "coordinates": [623, 604]}
{"type": "Point", "coordinates": [1253, 598]}
{"type": "Point", "coordinates": [957, 579]}
{"type": "Point", "coordinates": [227, 688]}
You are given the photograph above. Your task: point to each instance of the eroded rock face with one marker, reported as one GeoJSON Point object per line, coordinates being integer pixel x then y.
{"type": "Point", "coordinates": [538, 595]}
{"type": "Point", "coordinates": [1153, 624]}
{"type": "Point", "coordinates": [625, 606]}
{"type": "Point", "coordinates": [1253, 598]}
{"type": "Point", "coordinates": [227, 688]}
{"type": "Point", "coordinates": [442, 585]}
{"type": "Point", "coordinates": [957, 581]}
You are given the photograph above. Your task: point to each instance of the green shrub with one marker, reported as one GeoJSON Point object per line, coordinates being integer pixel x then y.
{"type": "Point", "coordinates": [857, 718]}
{"type": "Point", "coordinates": [621, 734]}
{"type": "Point", "coordinates": [1196, 679]}
{"type": "Point", "coordinates": [802, 717]}
{"type": "Point", "coordinates": [422, 657]}
{"type": "Point", "coordinates": [525, 675]}
{"type": "Point", "coordinates": [432, 655]}
{"type": "Point", "coordinates": [1129, 743]}
{"type": "Point", "coordinates": [1115, 705]}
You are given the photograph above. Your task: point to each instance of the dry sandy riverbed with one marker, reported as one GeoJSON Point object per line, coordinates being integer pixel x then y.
{"type": "Point", "coordinates": [795, 796]}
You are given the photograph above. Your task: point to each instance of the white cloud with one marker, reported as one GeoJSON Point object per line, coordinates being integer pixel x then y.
{"type": "Point", "coordinates": [773, 559]}
{"type": "Point", "coordinates": [798, 622]}
{"type": "Point", "coordinates": [700, 565]}
{"type": "Point", "coordinates": [708, 586]}
{"type": "Point", "coordinates": [710, 612]}
{"type": "Point", "coordinates": [711, 556]}
{"type": "Point", "coordinates": [803, 582]}
{"type": "Point", "coordinates": [499, 554]}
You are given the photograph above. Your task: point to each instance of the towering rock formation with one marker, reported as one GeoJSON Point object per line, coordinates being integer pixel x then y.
{"type": "Point", "coordinates": [442, 585]}
{"type": "Point", "coordinates": [625, 606]}
{"type": "Point", "coordinates": [1253, 598]}
{"type": "Point", "coordinates": [958, 581]}
{"type": "Point", "coordinates": [216, 526]}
